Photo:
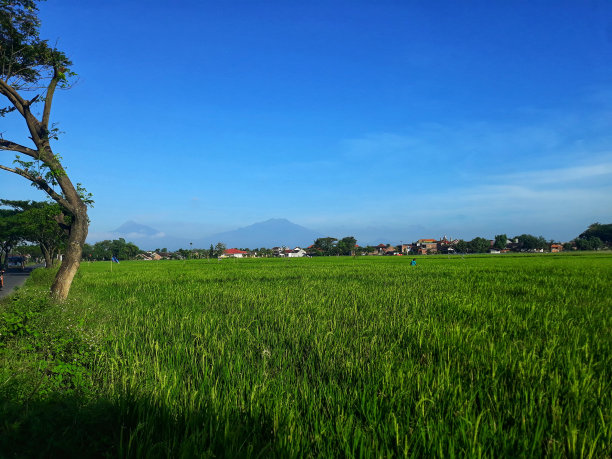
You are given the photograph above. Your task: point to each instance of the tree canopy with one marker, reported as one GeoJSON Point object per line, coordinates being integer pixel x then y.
{"type": "Point", "coordinates": [326, 245]}
{"type": "Point", "coordinates": [219, 249]}
{"type": "Point", "coordinates": [39, 223]}
{"type": "Point", "coordinates": [589, 243]}
{"type": "Point", "coordinates": [530, 242]}
{"type": "Point", "coordinates": [500, 241]}
{"type": "Point", "coordinates": [461, 246]}
{"type": "Point", "coordinates": [479, 245]}
{"type": "Point", "coordinates": [346, 245]}
{"type": "Point", "coordinates": [599, 230]}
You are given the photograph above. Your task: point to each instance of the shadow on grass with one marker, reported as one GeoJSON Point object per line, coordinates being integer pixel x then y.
{"type": "Point", "coordinates": [70, 427]}
{"type": "Point", "coordinates": [59, 427]}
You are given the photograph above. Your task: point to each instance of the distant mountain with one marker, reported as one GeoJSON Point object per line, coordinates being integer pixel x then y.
{"type": "Point", "coordinates": [270, 233]}
{"type": "Point", "coordinates": [275, 232]}
{"type": "Point", "coordinates": [136, 229]}
{"type": "Point", "coordinates": [143, 236]}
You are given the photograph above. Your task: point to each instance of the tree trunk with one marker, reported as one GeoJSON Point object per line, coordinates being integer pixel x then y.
{"type": "Point", "coordinates": [72, 255]}
{"type": "Point", "coordinates": [47, 255]}
{"type": "Point", "coordinates": [6, 251]}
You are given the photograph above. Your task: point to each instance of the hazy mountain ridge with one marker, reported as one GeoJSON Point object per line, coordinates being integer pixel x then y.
{"type": "Point", "coordinates": [131, 227]}
{"type": "Point", "coordinates": [270, 233]}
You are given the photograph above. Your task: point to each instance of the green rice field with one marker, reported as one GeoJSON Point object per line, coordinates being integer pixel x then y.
{"type": "Point", "coordinates": [489, 356]}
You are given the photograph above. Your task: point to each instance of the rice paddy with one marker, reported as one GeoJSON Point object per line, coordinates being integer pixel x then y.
{"type": "Point", "coordinates": [359, 357]}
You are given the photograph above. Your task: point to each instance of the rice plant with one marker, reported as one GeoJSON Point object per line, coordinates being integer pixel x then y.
{"type": "Point", "coordinates": [359, 357]}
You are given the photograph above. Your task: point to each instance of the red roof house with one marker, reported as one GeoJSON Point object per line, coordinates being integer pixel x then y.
{"type": "Point", "coordinates": [234, 253]}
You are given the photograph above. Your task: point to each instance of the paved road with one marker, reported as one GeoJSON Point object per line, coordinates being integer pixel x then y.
{"type": "Point", "coordinates": [14, 279]}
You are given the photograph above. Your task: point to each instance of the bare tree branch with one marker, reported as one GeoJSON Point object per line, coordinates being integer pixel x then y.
{"type": "Point", "coordinates": [49, 99]}
{"type": "Point", "coordinates": [12, 146]}
{"type": "Point", "coordinates": [23, 107]}
{"type": "Point", "coordinates": [34, 99]}
{"type": "Point", "coordinates": [42, 184]}
{"type": "Point", "coordinates": [13, 96]}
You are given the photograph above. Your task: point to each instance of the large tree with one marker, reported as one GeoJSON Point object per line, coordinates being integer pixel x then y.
{"type": "Point", "coordinates": [346, 245]}
{"type": "Point", "coordinates": [479, 245]}
{"type": "Point", "coordinates": [461, 246]}
{"type": "Point", "coordinates": [30, 72]}
{"type": "Point", "coordinates": [37, 223]}
{"type": "Point", "coordinates": [589, 243]}
{"type": "Point", "coordinates": [326, 245]}
{"type": "Point", "coordinates": [530, 242]}
{"type": "Point", "coordinates": [220, 249]}
{"type": "Point", "coordinates": [599, 230]}
{"type": "Point", "coordinates": [500, 241]}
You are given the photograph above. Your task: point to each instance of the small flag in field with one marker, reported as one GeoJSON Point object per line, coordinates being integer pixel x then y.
{"type": "Point", "coordinates": [114, 258]}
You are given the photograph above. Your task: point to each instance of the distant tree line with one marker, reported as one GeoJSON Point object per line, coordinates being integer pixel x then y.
{"type": "Point", "coordinates": [213, 252]}
{"type": "Point", "coordinates": [330, 246]}
{"type": "Point", "coordinates": [594, 238]}
{"type": "Point", "coordinates": [105, 250]}
{"type": "Point", "coordinates": [524, 242]}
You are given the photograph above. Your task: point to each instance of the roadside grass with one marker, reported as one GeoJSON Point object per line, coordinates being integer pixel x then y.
{"type": "Point", "coordinates": [367, 356]}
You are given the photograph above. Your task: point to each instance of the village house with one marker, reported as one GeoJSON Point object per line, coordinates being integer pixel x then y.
{"type": "Point", "coordinates": [446, 245]}
{"type": "Point", "coordinates": [151, 256]}
{"type": "Point", "coordinates": [556, 248]}
{"type": "Point", "coordinates": [380, 249]}
{"type": "Point", "coordinates": [405, 248]}
{"type": "Point", "coordinates": [234, 253]}
{"type": "Point", "coordinates": [295, 253]}
{"type": "Point", "coordinates": [425, 246]}
{"type": "Point", "coordinates": [513, 244]}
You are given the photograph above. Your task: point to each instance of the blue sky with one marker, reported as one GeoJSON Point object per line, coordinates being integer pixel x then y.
{"type": "Point", "coordinates": [387, 119]}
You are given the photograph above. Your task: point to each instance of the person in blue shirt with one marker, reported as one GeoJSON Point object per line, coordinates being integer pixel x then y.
{"type": "Point", "coordinates": [413, 262]}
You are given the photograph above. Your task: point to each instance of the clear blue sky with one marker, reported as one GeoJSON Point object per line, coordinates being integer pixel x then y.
{"type": "Point", "coordinates": [399, 119]}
